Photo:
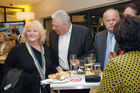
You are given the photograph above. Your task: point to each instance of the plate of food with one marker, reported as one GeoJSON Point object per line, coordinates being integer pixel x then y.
{"type": "Point", "coordinates": [55, 81]}
{"type": "Point", "coordinates": [61, 77]}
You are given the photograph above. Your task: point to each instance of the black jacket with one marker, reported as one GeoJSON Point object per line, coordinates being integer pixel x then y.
{"type": "Point", "coordinates": [80, 43]}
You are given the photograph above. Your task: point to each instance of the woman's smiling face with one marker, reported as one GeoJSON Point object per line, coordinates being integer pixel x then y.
{"type": "Point", "coordinates": [33, 35]}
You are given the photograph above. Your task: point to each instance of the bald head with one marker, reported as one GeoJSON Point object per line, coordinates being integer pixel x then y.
{"type": "Point", "coordinates": [111, 11]}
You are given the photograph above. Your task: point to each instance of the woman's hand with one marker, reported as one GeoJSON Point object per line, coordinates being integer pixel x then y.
{"type": "Point", "coordinates": [112, 54]}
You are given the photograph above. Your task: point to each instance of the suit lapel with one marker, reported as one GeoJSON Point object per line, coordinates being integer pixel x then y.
{"type": "Point", "coordinates": [56, 37]}
{"type": "Point", "coordinates": [104, 40]}
{"type": "Point", "coordinates": [72, 41]}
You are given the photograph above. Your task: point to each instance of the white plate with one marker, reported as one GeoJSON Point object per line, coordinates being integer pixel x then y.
{"type": "Point", "coordinates": [59, 81]}
{"type": "Point", "coordinates": [48, 81]}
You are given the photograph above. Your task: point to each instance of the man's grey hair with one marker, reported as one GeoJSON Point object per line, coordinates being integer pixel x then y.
{"type": "Point", "coordinates": [117, 12]}
{"type": "Point", "coordinates": [65, 18]}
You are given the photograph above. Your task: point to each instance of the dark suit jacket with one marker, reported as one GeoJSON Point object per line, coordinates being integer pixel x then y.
{"type": "Point", "coordinates": [80, 42]}
{"type": "Point", "coordinates": [100, 47]}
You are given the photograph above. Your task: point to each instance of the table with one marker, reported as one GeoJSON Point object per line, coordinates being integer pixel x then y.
{"type": "Point", "coordinates": [74, 85]}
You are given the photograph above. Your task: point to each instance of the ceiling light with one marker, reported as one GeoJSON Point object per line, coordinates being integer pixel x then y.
{"type": "Point", "coordinates": [25, 15]}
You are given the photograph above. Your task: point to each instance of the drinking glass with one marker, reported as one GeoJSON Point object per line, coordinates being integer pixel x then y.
{"type": "Point", "coordinates": [74, 62]}
{"type": "Point", "coordinates": [81, 69]}
{"type": "Point", "coordinates": [88, 64]}
{"type": "Point", "coordinates": [92, 58]}
{"type": "Point", "coordinates": [97, 68]}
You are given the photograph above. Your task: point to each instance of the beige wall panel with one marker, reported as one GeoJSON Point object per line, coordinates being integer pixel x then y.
{"type": "Point", "coordinates": [47, 7]}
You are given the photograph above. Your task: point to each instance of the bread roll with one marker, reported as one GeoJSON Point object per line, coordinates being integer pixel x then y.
{"type": "Point", "coordinates": [52, 76]}
{"type": "Point", "coordinates": [58, 75]}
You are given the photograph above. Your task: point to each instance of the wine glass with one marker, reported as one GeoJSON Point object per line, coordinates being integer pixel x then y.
{"type": "Point", "coordinates": [74, 62]}
{"type": "Point", "coordinates": [88, 63]}
{"type": "Point", "coordinates": [88, 66]}
{"type": "Point", "coordinates": [81, 69]}
{"type": "Point", "coordinates": [92, 58]}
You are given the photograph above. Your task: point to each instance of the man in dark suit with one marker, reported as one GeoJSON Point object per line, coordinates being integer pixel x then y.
{"type": "Point", "coordinates": [132, 9]}
{"type": "Point", "coordinates": [102, 44]}
{"type": "Point", "coordinates": [14, 33]}
{"type": "Point", "coordinates": [67, 39]}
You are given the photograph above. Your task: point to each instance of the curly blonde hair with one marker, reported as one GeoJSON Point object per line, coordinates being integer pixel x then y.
{"type": "Point", "coordinates": [6, 37]}
{"type": "Point", "coordinates": [38, 26]}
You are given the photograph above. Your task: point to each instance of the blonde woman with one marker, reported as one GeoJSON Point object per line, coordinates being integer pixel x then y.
{"type": "Point", "coordinates": [33, 38]}
{"type": "Point", "coordinates": [5, 44]}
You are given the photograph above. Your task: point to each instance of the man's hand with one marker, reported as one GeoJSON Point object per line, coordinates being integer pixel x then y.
{"type": "Point", "coordinates": [59, 69]}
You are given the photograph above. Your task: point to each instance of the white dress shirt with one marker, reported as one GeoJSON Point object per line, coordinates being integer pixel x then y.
{"type": "Point", "coordinates": [63, 46]}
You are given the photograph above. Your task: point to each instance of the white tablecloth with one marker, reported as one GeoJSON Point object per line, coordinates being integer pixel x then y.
{"type": "Point", "coordinates": [75, 85]}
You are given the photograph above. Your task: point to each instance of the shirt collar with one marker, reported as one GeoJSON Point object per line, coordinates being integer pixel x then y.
{"type": "Point", "coordinates": [110, 34]}
{"type": "Point", "coordinates": [18, 37]}
{"type": "Point", "coordinates": [70, 28]}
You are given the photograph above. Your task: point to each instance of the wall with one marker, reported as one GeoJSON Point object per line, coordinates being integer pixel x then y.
{"type": "Point", "coordinates": [47, 7]}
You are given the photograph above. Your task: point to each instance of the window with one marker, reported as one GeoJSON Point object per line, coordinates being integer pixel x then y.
{"type": "Point", "coordinates": [11, 14]}
{"type": "Point", "coordinates": [1, 14]}
{"type": "Point", "coordinates": [8, 14]}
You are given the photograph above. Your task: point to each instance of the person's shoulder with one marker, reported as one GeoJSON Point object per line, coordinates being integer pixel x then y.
{"type": "Point", "coordinates": [101, 33]}
{"type": "Point", "coordinates": [17, 47]}
{"type": "Point", "coordinates": [45, 45]}
{"type": "Point", "coordinates": [79, 27]}
{"type": "Point", "coordinates": [52, 32]}
{"type": "Point", "coordinates": [46, 48]}
{"type": "Point", "coordinates": [21, 45]}
{"type": "Point", "coordinates": [82, 30]}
